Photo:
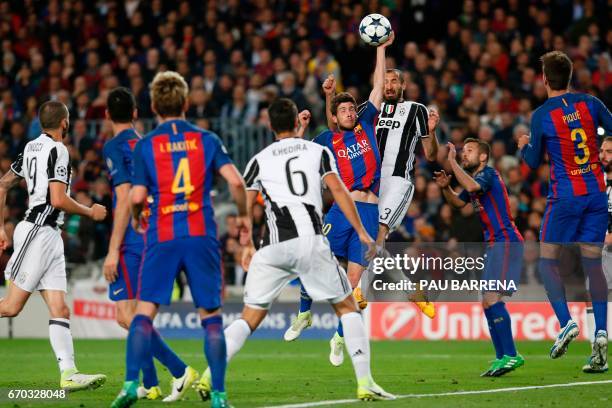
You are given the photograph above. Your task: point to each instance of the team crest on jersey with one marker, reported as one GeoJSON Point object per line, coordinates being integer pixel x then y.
{"type": "Point", "coordinates": [358, 129]}
{"type": "Point", "coordinates": [402, 111]}
{"type": "Point", "coordinates": [389, 109]}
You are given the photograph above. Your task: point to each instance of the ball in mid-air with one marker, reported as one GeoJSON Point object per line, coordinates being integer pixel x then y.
{"type": "Point", "coordinates": [374, 29]}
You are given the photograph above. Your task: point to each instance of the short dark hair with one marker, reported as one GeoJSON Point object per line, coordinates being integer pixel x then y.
{"type": "Point", "coordinates": [557, 67]}
{"type": "Point", "coordinates": [120, 105]}
{"type": "Point", "coordinates": [607, 139]}
{"type": "Point", "coordinates": [396, 72]}
{"type": "Point", "coordinates": [283, 114]}
{"type": "Point", "coordinates": [342, 97]}
{"type": "Point", "coordinates": [483, 147]}
{"type": "Point", "coordinates": [51, 114]}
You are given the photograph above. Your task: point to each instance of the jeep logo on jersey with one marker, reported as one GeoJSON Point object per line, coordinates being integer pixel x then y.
{"type": "Point", "coordinates": [355, 150]}
{"type": "Point", "coordinates": [389, 123]}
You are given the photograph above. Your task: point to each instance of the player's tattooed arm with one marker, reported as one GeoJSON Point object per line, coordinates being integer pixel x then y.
{"type": "Point", "coordinates": [329, 89]}
{"type": "Point", "coordinates": [443, 181]}
{"type": "Point", "coordinates": [9, 180]}
{"type": "Point", "coordinates": [376, 96]}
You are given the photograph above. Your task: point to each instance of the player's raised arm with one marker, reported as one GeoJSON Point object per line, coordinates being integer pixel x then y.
{"type": "Point", "coordinates": [376, 96]}
{"type": "Point", "coordinates": [303, 122]}
{"type": "Point", "coordinates": [463, 178]}
{"type": "Point", "coordinates": [329, 89]}
{"type": "Point", "coordinates": [430, 143]}
{"type": "Point", "coordinates": [443, 180]}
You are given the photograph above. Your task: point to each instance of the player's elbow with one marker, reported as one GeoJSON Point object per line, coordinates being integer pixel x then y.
{"type": "Point", "coordinates": [57, 201]}
{"type": "Point", "coordinates": [472, 188]}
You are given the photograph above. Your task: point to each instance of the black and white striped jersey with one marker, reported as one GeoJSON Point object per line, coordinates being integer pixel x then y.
{"type": "Point", "coordinates": [43, 160]}
{"type": "Point", "coordinates": [289, 175]}
{"type": "Point", "coordinates": [400, 126]}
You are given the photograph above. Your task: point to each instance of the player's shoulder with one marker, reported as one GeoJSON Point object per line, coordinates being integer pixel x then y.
{"type": "Point", "coordinates": [324, 137]}
{"type": "Point", "coordinates": [410, 104]}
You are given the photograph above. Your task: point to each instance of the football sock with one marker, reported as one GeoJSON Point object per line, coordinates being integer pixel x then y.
{"type": "Point", "coordinates": [590, 322]}
{"type": "Point", "coordinates": [138, 346]}
{"type": "Point", "coordinates": [499, 351]}
{"type": "Point", "coordinates": [305, 300]}
{"type": "Point", "coordinates": [598, 288]}
{"type": "Point", "coordinates": [215, 350]}
{"type": "Point", "coordinates": [61, 342]}
{"type": "Point", "coordinates": [357, 344]}
{"type": "Point", "coordinates": [235, 336]}
{"type": "Point", "coordinates": [340, 329]}
{"type": "Point", "coordinates": [549, 272]}
{"type": "Point", "coordinates": [503, 327]}
{"type": "Point", "coordinates": [165, 355]}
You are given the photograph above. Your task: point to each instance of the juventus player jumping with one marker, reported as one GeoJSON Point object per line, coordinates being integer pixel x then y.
{"type": "Point", "coordinates": [38, 261]}
{"type": "Point", "coordinates": [401, 124]}
{"type": "Point", "coordinates": [290, 173]}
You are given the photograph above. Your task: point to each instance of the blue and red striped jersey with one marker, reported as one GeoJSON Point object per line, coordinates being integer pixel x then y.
{"type": "Point", "coordinates": [177, 163]}
{"type": "Point", "coordinates": [356, 152]}
{"type": "Point", "coordinates": [493, 207]}
{"type": "Point", "coordinates": [118, 155]}
{"type": "Point", "coordinates": [565, 127]}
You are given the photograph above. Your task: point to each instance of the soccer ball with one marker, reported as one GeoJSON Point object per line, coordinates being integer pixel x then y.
{"type": "Point", "coordinates": [374, 29]}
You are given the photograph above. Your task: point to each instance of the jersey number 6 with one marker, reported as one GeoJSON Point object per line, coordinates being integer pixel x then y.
{"type": "Point", "coordinates": [291, 175]}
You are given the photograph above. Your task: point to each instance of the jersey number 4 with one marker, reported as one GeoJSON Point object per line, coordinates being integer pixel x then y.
{"type": "Point", "coordinates": [182, 179]}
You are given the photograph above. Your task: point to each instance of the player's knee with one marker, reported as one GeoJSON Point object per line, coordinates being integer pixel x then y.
{"type": "Point", "coordinates": [10, 309]}
{"type": "Point", "coordinates": [60, 310]}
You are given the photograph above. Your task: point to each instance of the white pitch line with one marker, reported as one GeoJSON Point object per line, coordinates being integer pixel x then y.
{"type": "Point", "coordinates": [445, 394]}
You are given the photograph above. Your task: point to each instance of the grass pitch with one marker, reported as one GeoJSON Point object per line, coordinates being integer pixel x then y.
{"type": "Point", "coordinates": [269, 373]}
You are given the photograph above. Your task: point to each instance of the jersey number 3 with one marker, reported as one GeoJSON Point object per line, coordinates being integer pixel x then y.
{"type": "Point", "coordinates": [580, 136]}
{"type": "Point", "coordinates": [182, 179]}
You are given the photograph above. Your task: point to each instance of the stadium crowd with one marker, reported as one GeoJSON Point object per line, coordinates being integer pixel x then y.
{"type": "Point", "coordinates": [476, 61]}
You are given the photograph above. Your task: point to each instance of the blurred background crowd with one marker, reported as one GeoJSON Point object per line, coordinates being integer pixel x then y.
{"type": "Point", "coordinates": [476, 61]}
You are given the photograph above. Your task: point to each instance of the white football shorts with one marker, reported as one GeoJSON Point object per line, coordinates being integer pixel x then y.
{"type": "Point", "coordinates": [395, 196]}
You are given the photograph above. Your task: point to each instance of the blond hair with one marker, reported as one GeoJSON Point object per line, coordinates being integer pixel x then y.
{"type": "Point", "coordinates": [169, 92]}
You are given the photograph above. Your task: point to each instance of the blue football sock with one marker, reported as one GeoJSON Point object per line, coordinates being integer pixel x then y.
{"type": "Point", "coordinates": [215, 350]}
{"type": "Point", "coordinates": [549, 272]}
{"type": "Point", "coordinates": [598, 288]}
{"type": "Point", "coordinates": [138, 347]}
{"type": "Point", "coordinates": [499, 351]}
{"type": "Point", "coordinates": [305, 300]}
{"type": "Point", "coordinates": [165, 355]}
{"type": "Point", "coordinates": [503, 327]}
{"type": "Point", "coordinates": [340, 329]}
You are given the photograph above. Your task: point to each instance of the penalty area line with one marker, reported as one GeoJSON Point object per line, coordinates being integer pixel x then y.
{"type": "Point", "coordinates": [446, 394]}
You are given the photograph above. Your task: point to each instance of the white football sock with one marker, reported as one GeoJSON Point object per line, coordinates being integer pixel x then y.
{"type": "Point", "coordinates": [357, 344]}
{"type": "Point", "coordinates": [61, 342]}
{"type": "Point", "coordinates": [235, 336]}
{"type": "Point", "coordinates": [590, 321]}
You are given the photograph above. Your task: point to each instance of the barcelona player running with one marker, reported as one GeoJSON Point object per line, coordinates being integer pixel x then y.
{"type": "Point", "coordinates": [484, 188]}
{"type": "Point", "coordinates": [564, 127]}
{"type": "Point", "coordinates": [176, 164]}
{"type": "Point", "coordinates": [126, 246]}
{"type": "Point", "coordinates": [356, 153]}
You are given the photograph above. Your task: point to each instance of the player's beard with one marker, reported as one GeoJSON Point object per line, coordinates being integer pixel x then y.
{"type": "Point", "coordinates": [470, 167]}
{"type": "Point", "coordinates": [392, 98]}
